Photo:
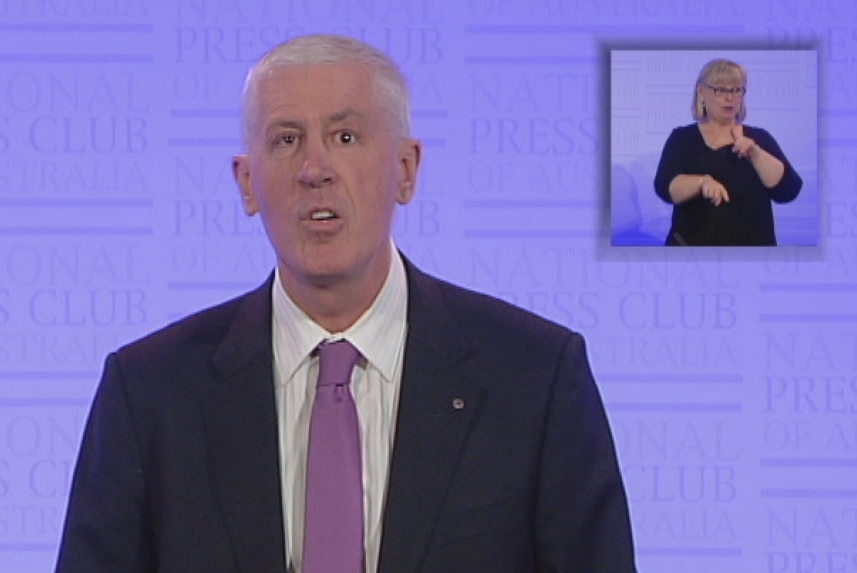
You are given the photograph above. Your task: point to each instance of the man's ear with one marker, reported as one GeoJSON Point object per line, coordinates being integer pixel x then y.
{"type": "Point", "coordinates": [410, 154]}
{"type": "Point", "coordinates": [241, 173]}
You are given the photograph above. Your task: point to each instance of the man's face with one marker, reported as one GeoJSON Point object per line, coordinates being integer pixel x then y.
{"type": "Point", "coordinates": [325, 171]}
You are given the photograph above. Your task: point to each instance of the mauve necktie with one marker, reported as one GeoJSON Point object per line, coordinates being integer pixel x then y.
{"type": "Point", "coordinates": [333, 523]}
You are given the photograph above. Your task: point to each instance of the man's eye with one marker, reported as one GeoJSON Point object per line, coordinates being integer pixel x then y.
{"type": "Point", "coordinates": [286, 139]}
{"type": "Point", "coordinates": [346, 137]}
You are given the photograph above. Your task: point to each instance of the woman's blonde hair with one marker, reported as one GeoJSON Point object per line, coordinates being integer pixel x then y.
{"type": "Point", "coordinates": [719, 70]}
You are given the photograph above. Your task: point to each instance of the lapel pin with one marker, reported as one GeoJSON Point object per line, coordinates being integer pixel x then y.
{"type": "Point", "coordinates": [458, 403]}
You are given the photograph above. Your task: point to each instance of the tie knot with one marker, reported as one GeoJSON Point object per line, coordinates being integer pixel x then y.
{"type": "Point", "coordinates": [336, 360]}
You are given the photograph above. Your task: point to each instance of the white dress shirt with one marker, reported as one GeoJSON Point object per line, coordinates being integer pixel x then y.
{"type": "Point", "coordinates": [379, 335]}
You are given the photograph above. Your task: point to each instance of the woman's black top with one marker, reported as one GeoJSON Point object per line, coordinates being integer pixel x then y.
{"type": "Point", "coordinates": [747, 219]}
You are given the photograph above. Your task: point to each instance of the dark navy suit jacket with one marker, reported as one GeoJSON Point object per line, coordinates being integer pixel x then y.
{"type": "Point", "coordinates": [179, 467]}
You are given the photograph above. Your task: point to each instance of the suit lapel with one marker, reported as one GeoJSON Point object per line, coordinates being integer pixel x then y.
{"type": "Point", "coordinates": [437, 407]}
{"type": "Point", "coordinates": [241, 429]}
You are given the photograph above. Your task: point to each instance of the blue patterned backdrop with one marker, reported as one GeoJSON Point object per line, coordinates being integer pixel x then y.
{"type": "Point", "coordinates": [730, 376]}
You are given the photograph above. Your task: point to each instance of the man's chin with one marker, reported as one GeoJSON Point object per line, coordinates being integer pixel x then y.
{"type": "Point", "coordinates": [328, 266]}
{"type": "Point", "coordinates": [320, 270]}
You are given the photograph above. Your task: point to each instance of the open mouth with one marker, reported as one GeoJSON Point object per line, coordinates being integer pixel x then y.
{"type": "Point", "coordinates": [323, 215]}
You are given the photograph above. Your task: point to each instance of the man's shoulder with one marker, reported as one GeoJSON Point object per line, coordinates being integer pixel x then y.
{"type": "Point", "coordinates": [482, 314]}
{"type": "Point", "coordinates": [204, 328]}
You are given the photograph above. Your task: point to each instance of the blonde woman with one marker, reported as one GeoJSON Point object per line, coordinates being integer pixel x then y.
{"type": "Point", "coordinates": [719, 174]}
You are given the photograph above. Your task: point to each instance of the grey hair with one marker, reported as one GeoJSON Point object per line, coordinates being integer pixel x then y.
{"type": "Point", "coordinates": [391, 86]}
{"type": "Point", "coordinates": [715, 71]}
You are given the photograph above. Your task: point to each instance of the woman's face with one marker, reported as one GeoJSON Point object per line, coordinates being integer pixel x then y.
{"type": "Point", "coordinates": [722, 98]}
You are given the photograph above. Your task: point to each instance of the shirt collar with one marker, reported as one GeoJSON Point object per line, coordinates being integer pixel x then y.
{"type": "Point", "coordinates": [378, 334]}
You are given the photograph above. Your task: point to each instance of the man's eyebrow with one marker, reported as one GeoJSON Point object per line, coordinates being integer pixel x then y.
{"type": "Point", "coordinates": [344, 114]}
{"type": "Point", "coordinates": [285, 123]}
{"type": "Point", "coordinates": [336, 117]}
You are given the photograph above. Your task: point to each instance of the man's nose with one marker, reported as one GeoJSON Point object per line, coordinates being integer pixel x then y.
{"type": "Point", "coordinates": [316, 169]}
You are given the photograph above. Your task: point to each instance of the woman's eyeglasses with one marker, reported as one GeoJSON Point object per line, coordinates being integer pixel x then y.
{"type": "Point", "coordinates": [718, 91]}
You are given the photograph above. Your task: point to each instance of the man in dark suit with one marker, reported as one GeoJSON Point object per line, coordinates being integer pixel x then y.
{"type": "Point", "coordinates": [484, 443]}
